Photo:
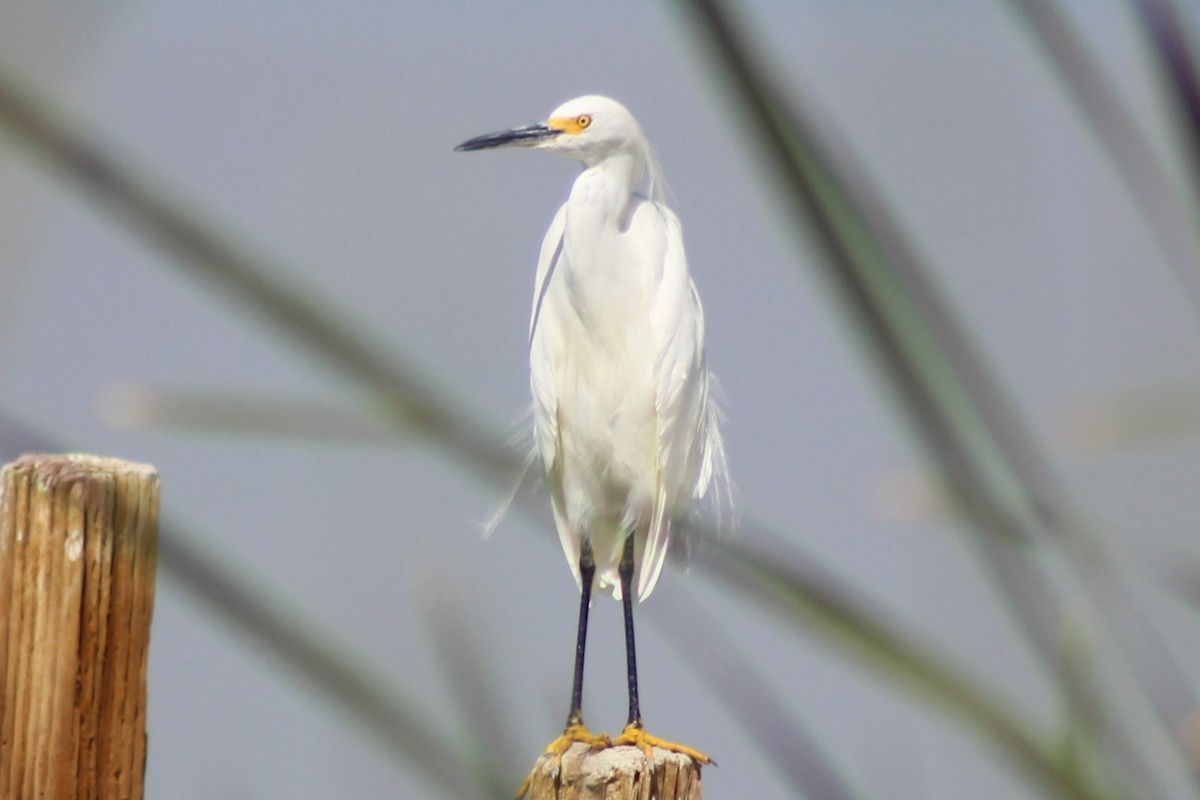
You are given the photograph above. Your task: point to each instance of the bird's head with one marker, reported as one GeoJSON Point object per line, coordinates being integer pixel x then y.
{"type": "Point", "coordinates": [590, 128]}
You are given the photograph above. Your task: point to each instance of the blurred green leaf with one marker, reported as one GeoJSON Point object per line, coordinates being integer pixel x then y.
{"type": "Point", "coordinates": [990, 463]}
{"type": "Point", "coordinates": [1104, 423]}
{"type": "Point", "coordinates": [1179, 66]}
{"type": "Point", "coordinates": [801, 597]}
{"type": "Point", "coordinates": [454, 623]}
{"type": "Point", "coordinates": [393, 720]}
{"type": "Point", "coordinates": [984, 450]}
{"type": "Point", "coordinates": [1154, 193]}
{"type": "Point", "coordinates": [746, 694]}
{"type": "Point", "coordinates": [134, 406]}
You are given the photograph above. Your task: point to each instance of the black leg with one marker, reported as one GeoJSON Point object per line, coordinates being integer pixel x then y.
{"type": "Point", "coordinates": [625, 573]}
{"type": "Point", "coordinates": [587, 571]}
{"type": "Point", "coordinates": [635, 734]}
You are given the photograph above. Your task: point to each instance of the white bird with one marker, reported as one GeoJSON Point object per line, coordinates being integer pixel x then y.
{"type": "Point", "coordinates": [624, 422]}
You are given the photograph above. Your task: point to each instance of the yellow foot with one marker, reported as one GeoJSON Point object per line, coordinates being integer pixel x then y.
{"type": "Point", "coordinates": [636, 735]}
{"type": "Point", "coordinates": [556, 748]}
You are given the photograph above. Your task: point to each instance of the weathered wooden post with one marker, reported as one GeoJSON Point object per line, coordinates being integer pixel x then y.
{"type": "Point", "coordinates": [615, 773]}
{"type": "Point", "coordinates": [78, 541]}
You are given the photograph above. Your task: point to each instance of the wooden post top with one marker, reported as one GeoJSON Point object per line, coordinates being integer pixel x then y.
{"type": "Point", "coordinates": [59, 467]}
{"type": "Point", "coordinates": [615, 773]}
{"type": "Point", "coordinates": [78, 544]}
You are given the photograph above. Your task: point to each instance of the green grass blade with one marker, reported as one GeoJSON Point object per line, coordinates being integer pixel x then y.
{"type": "Point", "coordinates": [1179, 66]}
{"type": "Point", "coordinates": [393, 721]}
{"type": "Point", "coordinates": [454, 621]}
{"type": "Point", "coordinates": [986, 456]}
{"type": "Point", "coordinates": [1154, 193]}
{"type": "Point", "coordinates": [225, 413]}
{"type": "Point", "coordinates": [808, 601]}
{"type": "Point", "coordinates": [744, 691]}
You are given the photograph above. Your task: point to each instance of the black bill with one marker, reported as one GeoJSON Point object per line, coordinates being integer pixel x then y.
{"type": "Point", "coordinates": [517, 137]}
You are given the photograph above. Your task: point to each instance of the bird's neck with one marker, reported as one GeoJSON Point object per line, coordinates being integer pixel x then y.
{"type": "Point", "coordinates": [612, 185]}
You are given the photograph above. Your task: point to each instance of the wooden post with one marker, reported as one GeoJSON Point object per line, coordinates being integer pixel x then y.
{"type": "Point", "coordinates": [615, 773]}
{"type": "Point", "coordinates": [78, 538]}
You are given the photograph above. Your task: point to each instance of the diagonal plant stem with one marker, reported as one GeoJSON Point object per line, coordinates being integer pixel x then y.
{"type": "Point", "coordinates": [984, 453]}
{"type": "Point", "coordinates": [979, 447]}
{"type": "Point", "coordinates": [801, 597]}
{"type": "Point", "coordinates": [735, 682]}
{"type": "Point", "coordinates": [1180, 68]}
{"type": "Point", "coordinates": [390, 718]}
{"type": "Point", "coordinates": [986, 456]}
{"type": "Point", "coordinates": [450, 615]}
{"type": "Point", "coordinates": [1154, 194]}
{"type": "Point", "coordinates": [199, 411]}
{"type": "Point", "coordinates": [1164, 205]}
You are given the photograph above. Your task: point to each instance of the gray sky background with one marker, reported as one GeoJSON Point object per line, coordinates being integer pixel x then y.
{"type": "Point", "coordinates": [322, 136]}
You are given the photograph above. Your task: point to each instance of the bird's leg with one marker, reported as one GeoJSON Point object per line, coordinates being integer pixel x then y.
{"type": "Point", "coordinates": [635, 734]}
{"type": "Point", "coordinates": [575, 730]}
{"type": "Point", "coordinates": [587, 572]}
{"type": "Point", "coordinates": [625, 573]}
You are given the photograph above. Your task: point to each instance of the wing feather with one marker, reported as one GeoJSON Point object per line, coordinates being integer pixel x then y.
{"type": "Point", "coordinates": [685, 426]}
{"type": "Point", "coordinates": [542, 371]}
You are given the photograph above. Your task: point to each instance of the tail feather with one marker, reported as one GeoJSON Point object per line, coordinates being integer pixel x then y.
{"type": "Point", "coordinates": [655, 552]}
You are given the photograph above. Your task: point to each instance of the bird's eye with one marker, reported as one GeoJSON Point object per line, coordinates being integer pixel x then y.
{"type": "Point", "coordinates": [583, 121]}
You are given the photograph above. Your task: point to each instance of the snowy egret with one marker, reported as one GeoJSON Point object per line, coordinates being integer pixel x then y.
{"type": "Point", "coordinates": [623, 419]}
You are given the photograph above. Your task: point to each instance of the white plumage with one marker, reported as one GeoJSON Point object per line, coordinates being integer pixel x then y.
{"type": "Point", "coordinates": [623, 420]}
